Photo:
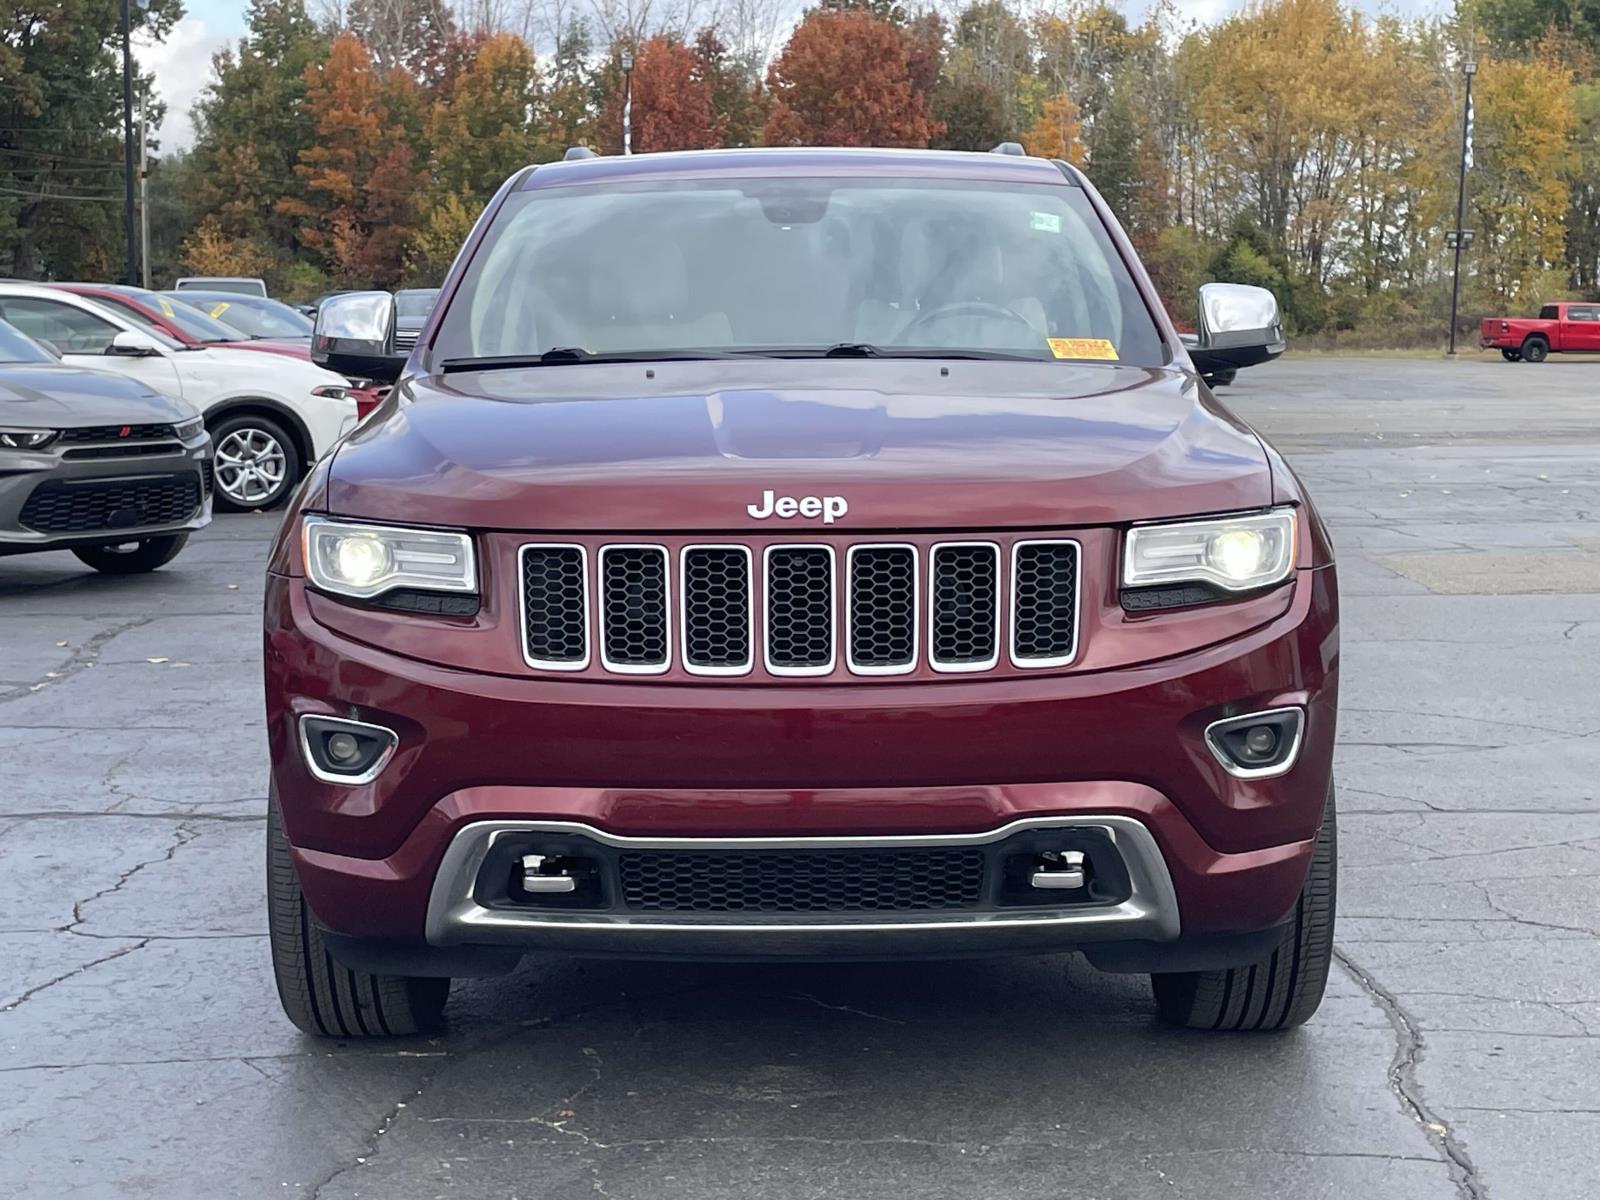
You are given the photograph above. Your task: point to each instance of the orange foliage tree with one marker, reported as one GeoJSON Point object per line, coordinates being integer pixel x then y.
{"type": "Point", "coordinates": [844, 79]}
{"type": "Point", "coordinates": [672, 107]}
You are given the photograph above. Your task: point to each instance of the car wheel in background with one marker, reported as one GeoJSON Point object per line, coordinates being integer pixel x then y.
{"type": "Point", "coordinates": [1221, 378]}
{"type": "Point", "coordinates": [132, 558]}
{"type": "Point", "coordinates": [256, 463]}
{"type": "Point", "coordinates": [1282, 991]}
{"type": "Point", "coordinates": [1535, 350]}
{"type": "Point", "coordinates": [320, 994]}
{"type": "Point", "coordinates": [1511, 355]}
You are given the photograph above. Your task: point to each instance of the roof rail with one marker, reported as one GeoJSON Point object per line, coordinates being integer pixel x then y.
{"type": "Point", "coordinates": [576, 152]}
{"type": "Point", "coordinates": [1010, 148]}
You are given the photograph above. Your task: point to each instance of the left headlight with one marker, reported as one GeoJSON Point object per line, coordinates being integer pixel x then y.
{"type": "Point", "coordinates": [1238, 553]}
{"type": "Point", "coordinates": [27, 439]}
{"type": "Point", "coordinates": [189, 429]}
{"type": "Point", "coordinates": [331, 391]}
{"type": "Point", "coordinates": [363, 561]}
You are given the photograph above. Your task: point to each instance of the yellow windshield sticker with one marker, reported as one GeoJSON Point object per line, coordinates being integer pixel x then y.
{"type": "Point", "coordinates": [218, 309]}
{"type": "Point", "coordinates": [1083, 348]}
{"type": "Point", "coordinates": [166, 307]}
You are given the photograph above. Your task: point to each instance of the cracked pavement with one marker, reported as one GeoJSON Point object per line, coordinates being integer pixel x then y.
{"type": "Point", "coordinates": [1457, 1053]}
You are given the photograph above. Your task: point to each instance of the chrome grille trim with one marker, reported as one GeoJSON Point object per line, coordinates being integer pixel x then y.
{"type": "Point", "coordinates": [1035, 663]}
{"type": "Point", "coordinates": [741, 668]}
{"type": "Point", "coordinates": [772, 667]}
{"type": "Point", "coordinates": [550, 664]}
{"type": "Point", "coordinates": [849, 610]}
{"type": "Point", "coordinates": [635, 668]}
{"type": "Point", "coordinates": [957, 666]}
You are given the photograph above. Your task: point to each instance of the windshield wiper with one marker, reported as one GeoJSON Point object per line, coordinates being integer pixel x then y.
{"type": "Point", "coordinates": [558, 356]}
{"type": "Point", "coordinates": [869, 350]}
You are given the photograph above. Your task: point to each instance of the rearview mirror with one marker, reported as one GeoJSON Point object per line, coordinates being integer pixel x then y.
{"type": "Point", "coordinates": [354, 335]}
{"type": "Point", "coordinates": [1239, 326]}
{"type": "Point", "coordinates": [132, 344]}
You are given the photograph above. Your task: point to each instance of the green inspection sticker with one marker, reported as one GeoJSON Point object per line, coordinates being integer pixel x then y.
{"type": "Point", "coordinates": [1045, 222]}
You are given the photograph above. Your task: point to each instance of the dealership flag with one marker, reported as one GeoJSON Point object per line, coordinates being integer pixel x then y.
{"type": "Point", "coordinates": [1467, 154]}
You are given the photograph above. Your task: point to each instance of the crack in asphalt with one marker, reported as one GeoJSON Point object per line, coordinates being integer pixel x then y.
{"type": "Point", "coordinates": [82, 657]}
{"type": "Point", "coordinates": [181, 815]}
{"type": "Point", "coordinates": [22, 999]}
{"type": "Point", "coordinates": [1404, 1084]}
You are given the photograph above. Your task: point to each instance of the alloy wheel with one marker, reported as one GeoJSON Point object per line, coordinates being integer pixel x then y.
{"type": "Point", "coordinates": [250, 466]}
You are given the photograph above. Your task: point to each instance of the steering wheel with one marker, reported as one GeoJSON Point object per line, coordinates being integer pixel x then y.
{"type": "Point", "coordinates": [966, 308]}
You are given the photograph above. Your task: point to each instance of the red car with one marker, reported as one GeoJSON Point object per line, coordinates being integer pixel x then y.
{"type": "Point", "coordinates": [800, 554]}
{"type": "Point", "coordinates": [1558, 329]}
{"type": "Point", "coordinates": [192, 327]}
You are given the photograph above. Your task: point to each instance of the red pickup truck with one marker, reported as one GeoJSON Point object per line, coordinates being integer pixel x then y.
{"type": "Point", "coordinates": [1557, 328]}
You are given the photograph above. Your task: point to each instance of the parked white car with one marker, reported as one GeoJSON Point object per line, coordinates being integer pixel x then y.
{"type": "Point", "coordinates": [270, 416]}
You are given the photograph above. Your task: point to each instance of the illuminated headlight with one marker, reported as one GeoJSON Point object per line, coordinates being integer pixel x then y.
{"type": "Point", "coordinates": [364, 561]}
{"type": "Point", "coordinates": [189, 429]}
{"type": "Point", "coordinates": [26, 439]}
{"type": "Point", "coordinates": [1238, 553]}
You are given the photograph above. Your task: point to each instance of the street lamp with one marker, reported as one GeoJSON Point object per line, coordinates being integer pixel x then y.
{"type": "Point", "coordinates": [132, 274]}
{"type": "Point", "coordinates": [627, 101]}
{"type": "Point", "coordinates": [1459, 235]}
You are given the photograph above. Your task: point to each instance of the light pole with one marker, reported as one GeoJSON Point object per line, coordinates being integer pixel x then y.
{"type": "Point", "coordinates": [627, 101]}
{"type": "Point", "coordinates": [1459, 235]}
{"type": "Point", "coordinates": [131, 277]}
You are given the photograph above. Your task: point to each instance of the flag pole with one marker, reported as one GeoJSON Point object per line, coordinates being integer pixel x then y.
{"type": "Point", "coordinates": [1470, 68]}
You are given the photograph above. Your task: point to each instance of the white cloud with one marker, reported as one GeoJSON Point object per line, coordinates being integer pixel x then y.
{"type": "Point", "coordinates": [182, 68]}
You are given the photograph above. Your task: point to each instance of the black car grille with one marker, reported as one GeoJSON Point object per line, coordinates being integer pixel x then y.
{"type": "Point", "coordinates": [633, 606]}
{"type": "Point", "coordinates": [118, 433]}
{"type": "Point", "coordinates": [716, 609]}
{"type": "Point", "coordinates": [801, 881]}
{"type": "Point", "coordinates": [555, 606]}
{"type": "Point", "coordinates": [130, 450]}
{"type": "Point", "coordinates": [965, 606]}
{"type": "Point", "coordinates": [60, 507]}
{"type": "Point", "coordinates": [799, 620]}
{"type": "Point", "coordinates": [706, 608]}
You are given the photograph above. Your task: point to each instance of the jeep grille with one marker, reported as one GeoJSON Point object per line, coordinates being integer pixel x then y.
{"type": "Point", "coordinates": [800, 608]}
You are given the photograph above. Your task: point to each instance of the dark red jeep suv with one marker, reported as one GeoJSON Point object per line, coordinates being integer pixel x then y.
{"type": "Point", "coordinates": [808, 554]}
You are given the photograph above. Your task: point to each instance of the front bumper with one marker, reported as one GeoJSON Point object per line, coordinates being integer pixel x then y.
{"type": "Point", "coordinates": [23, 473]}
{"type": "Point", "coordinates": [1122, 749]}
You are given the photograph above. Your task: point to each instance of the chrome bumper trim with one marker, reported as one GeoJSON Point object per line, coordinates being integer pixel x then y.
{"type": "Point", "coordinates": [456, 918]}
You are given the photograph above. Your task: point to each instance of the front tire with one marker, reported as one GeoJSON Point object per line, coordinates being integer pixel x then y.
{"type": "Point", "coordinates": [1281, 991]}
{"type": "Point", "coordinates": [1535, 350]}
{"type": "Point", "coordinates": [256, 463]}
{"type": "Point", "coordinates": [321, 995]}
{"type": "Point", "coordinates": [1511, 355]}
{"type": "Point", "coordinates": [132, 558]}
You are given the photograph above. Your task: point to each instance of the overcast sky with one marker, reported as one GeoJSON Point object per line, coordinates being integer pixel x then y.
{"type": "Point", "coordinates": [182, 64]}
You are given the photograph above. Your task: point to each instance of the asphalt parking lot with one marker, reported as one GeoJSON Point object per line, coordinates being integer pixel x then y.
{"type": "Point", "coordinates": [1457, 1053]}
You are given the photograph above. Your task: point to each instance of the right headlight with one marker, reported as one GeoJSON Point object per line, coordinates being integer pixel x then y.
{"type": "Point", "coordinates": [27, 439]}
{"type": "Point", "coordinates": [351, 558]}
{"type": "Point", "coordinates": [1236, 553]}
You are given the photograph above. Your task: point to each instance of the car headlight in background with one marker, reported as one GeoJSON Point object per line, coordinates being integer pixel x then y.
{"type": "Point", "coordinates": [1238, 553]}
{"type": "Point", "coordinates": [331, 391]}
{"type": "Point", "coordinates": [27, 439]}
{"type": "Point", "coordinates": [189, 429]}
{"type": "Point", "coordinates": [364, 561]}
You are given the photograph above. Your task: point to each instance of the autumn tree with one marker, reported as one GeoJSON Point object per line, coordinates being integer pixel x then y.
{"type": "Point", "coordinates": [483, 129]}
{"type": "Point", "coordinates": [843, 79]}
{"type": "Point", "coordinates": [672, 101]}
{"type": "Point", "coordinates": [737, 102]}
{"type": "Point", "coordinates": [1056, 133]}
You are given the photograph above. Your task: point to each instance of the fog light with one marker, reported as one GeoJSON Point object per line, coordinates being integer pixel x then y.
{"type": "Point", "coordinates": [342, 751]}
{"type": "Point", "coordinates": [1257, 745]}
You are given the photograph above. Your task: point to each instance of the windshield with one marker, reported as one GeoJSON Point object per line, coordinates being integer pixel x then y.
{"type": "Point", "coordinates": [415, 303]}
{"type": "Point", "coordinates": [754, 265]}
{"type": "Point", "coordinates": [244, 287]}
{"type": "Point", "coordinates": [192, 321]}
{"type": "Point", "coordinates": [253, 316]}
{"type": "Point", "coordinates": [18, 347]}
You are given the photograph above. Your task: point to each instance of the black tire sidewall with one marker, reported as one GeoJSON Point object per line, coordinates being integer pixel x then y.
{"type": "Point", "coordinates": [153, 552]}
{"type": "Point", "coordinates": [1535, 350]}
{"type": "Point", "coordinates": [292, 466]}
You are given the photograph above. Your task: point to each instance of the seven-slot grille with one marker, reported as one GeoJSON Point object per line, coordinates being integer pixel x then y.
{"type": "Point", "coordinates": [799, 608]}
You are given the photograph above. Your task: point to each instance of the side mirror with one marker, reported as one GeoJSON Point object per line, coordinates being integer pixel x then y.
{"type": "Point", "coordinates": [131, 344]}
{"type": "Point", "coordinates": [1239, 326]}
{"type": "Point", "coordinates": [353, 335]}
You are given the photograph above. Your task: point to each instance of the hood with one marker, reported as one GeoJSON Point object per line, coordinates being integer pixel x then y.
{"type": "Point", "coordinates": [906, 444]}
{"type": "Point", "coordinates": [53, 396]}
{"type": "Point", "coordinates": [286, 347]}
